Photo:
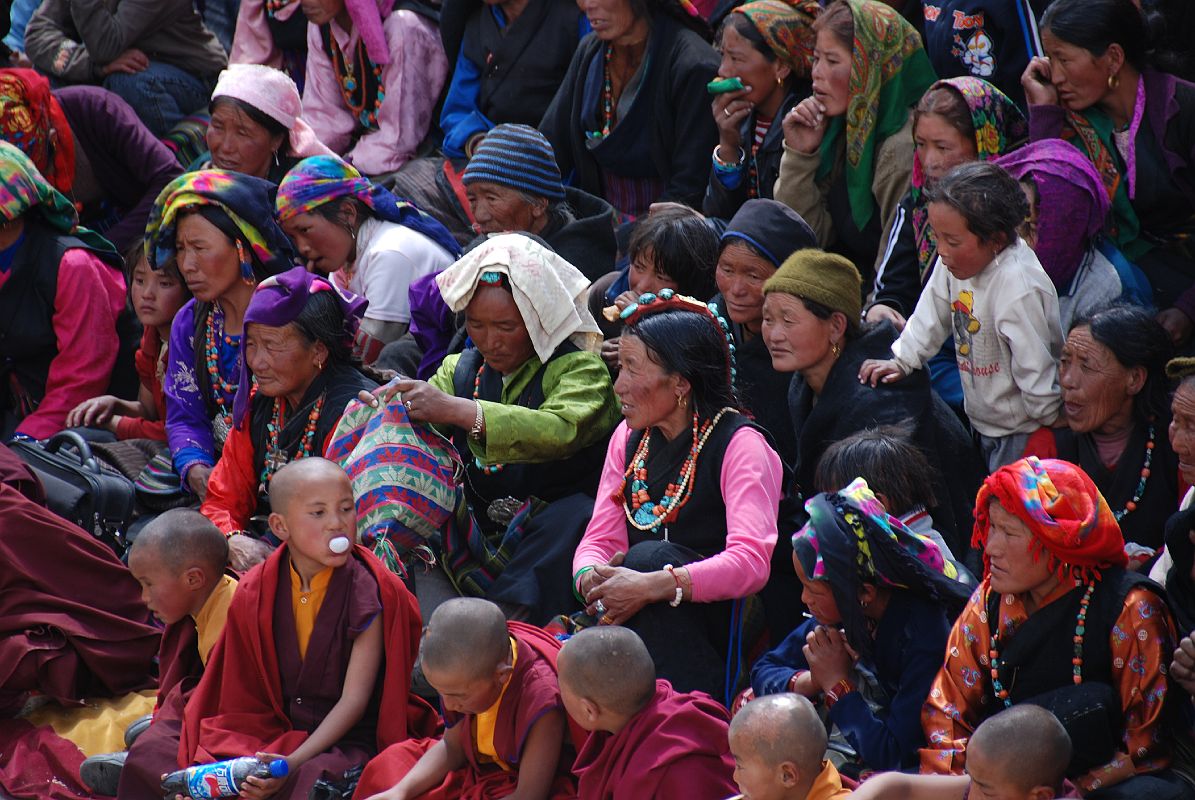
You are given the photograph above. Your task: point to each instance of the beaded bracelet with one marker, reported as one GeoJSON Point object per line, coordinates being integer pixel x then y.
{"type": "Point", "coordinates": [680, 592]}
{"type": "Point", "coordinates": [727, 166]}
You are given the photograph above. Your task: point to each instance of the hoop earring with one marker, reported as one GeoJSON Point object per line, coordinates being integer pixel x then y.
{"type": "Point", "coordinates": [680, 401]}
{"type": "Point", "coordinates": [779, 81]}
{"type": "Point", "coordinates": [276, 161]}
{"type": "Point", "coordinates": [1113, 81]}
{"type": "Point", "coordinates": [246, 265]}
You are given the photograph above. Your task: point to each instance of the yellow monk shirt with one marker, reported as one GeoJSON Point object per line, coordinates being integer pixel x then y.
{"type": "Point", "coordinates": [209, 621]}
{"type": "Point", "coordinates": [487, 721]}
{"type": "Point", "coordinates": [306, 605]}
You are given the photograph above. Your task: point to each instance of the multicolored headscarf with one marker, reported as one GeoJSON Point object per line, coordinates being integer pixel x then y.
{"type": "Point", "coordinates": [889, 73]}
{"type": "Point", "coordinates": [277, 301]}
{"type": "Point", "coordinates": [1072, 205]}
{"type": "Point", "coordinates": [1068, 517]}
{"type": "Point", "coordinates": [322, 179]}
{"type": "Point", "coordinates": [32, 119]}
{"type": "Point", "coordinates": [787, 27]}
{"type": "Point", "coordinates": [24, 190]}
{"type": "Point", "coordinates": [851, 540]}
{"type": "Point", "coordinates": [999, 127]}
{"type": "Point", "coordinates": [243, 199]}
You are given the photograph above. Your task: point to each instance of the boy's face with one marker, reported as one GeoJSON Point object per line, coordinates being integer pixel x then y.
{"type": "Point", "coordinates": [756, 779]}
{"type": "Point", "coordinates": [990, 780]}
{"type": "Point", "coordinates": [168, 595]}
{"type": "Point", "coordinates": [316, 513]}
{"type": "Point", "coordinates": [467, 694]}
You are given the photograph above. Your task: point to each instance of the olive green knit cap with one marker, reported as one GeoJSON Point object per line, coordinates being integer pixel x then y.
{"type": "Point", "coordinates": [825, 278]}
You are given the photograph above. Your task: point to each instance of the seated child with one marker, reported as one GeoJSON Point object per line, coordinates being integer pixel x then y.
{"type": "Point", "coordinates": [501, 703]}
{"type": "Point", "coordinates": [1019, 754]}
{"type": "Point", "coordinates": [156, 296]}
{"type": "Point", "coordinates": [179, 560]}
{"type": "Point", "coordinates": [317, 639]}
{"type": "Point", "coordinates": [1001, 305]}
{"type": "Point", "coordinates": [779, 743]}
{"type": "Point", "coordinates": [646, 739]}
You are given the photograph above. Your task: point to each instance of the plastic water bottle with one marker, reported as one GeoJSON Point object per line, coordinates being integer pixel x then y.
{"type": "Point", "coordinates": [221, 779]}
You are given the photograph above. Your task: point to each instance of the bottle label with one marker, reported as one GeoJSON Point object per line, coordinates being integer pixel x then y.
{"type": "Point", "coordinates": [211, 780]}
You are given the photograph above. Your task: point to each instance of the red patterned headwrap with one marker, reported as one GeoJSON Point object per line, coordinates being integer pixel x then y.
{"type": "Point", "coordinates": [1067, 515]}
{"type": "Point", "coordinates": [31, 119]}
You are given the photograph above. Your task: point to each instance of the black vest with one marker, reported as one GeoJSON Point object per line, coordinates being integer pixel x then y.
{"type": "Point", "coordinates": [700, 524]}
{"type": "Point", "coordinates": [28, 344]}
{"type": "Point", "coordinates": [549, 480]}
{"type": "Point", "coordinates": [1037, 658]}
{"type": "Point", "coordinates": [522, 64]}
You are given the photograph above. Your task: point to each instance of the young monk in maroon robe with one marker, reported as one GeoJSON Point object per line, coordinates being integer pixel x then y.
{"type": "Point", "coordinates": [646, 740]}
{"type": "Point", "coordinates": [316, 641]}
{"type": "Point", "coordinates": [179, 559]}
{"type": "Point", "coordinates": [506, 732]}
{"type": "Point", "coordinates": [779, 746]}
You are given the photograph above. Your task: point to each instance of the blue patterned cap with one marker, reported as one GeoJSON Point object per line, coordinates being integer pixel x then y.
{"type": "Point", "coordinates": [517, 156]}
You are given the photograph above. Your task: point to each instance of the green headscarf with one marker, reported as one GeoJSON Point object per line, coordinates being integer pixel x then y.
{"type": "Point", "coordinates": [889, 73]}
{"type": "Point", "coordinates": [23, 189]}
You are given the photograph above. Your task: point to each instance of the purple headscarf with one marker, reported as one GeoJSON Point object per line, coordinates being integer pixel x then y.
{"type": "Point", "coordinates": [1071, 203]}
{"type": "Point", "coordinates": [278, 301]}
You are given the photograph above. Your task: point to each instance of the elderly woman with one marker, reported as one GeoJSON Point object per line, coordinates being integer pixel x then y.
{"type": "Point", "coordinates": [370, 242]}
{"type": "Point", "coordinates": [882, 599]}
{"type": "Point", "coordinates": [1113, 376]}
{"type": "Point", "coordinates": [62, 297]}
{"type": "Point", "coordinates": [257, 124]}
{"type": "Point", "coordinates": [768, 45]}
{"type": "Point", "coordinates": [361, 53]}
{"type": "Point", "coordinates": [630, 122]}
{"type": "Point", "coordinates": [1067, 210]}
{"type": "Point", "coordinates": [1182, 442]}
{"type": "Point", "coordinates": [1097, 91]}
{"type": "Point", "coordinates": [219, 229]}
{"type": "Point", "coordinates": [848, 149]}
{"type": "Point", "coordinates": [529, 408]}
{"type": "Point", "coordinates": [685, 524]}
{"type": "Point", "coordinates": [296, 350]}
{"type": "Point", "coordinates": [88, 144]}
{"type": "Point", "coordinates": [811, 327]}
{"type": "Point", "coordinates": [1058, 620]}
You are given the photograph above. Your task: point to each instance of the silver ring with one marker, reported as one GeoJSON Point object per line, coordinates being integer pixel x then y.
{"type": "Point", "coordinates": [726, 111]}
{"type": "Point", "coordinates": [600, 608]}
{"type": "Point", "coordinates": [409, 404]}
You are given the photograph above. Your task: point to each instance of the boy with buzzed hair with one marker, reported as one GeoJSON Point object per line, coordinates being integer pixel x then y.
{"type": "Point", "coordinates": [501, 703]}
{"type": "Point", "coordinates": [1019, 754]}
{"type": "Point", "coordinates": [779, 745]}
{"type": "Point", "coordinates": [646, 739]}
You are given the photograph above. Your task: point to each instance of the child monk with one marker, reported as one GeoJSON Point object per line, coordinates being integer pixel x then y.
{"type": "Point", "coordinates": [179, 559]}
{"type": "Point", "coordinates": [318, 636]}
{"type": "Point", "coordinates": [646, 740]}
{"type": "Point", "coordinates": [501, 702]}
{"type": "Point", "coordinates": [779, 743]}
{"type": "Point", "coordinates": [1019, 754]}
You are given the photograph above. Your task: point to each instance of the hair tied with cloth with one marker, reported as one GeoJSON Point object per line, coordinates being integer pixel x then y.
{"type": "Point", "coordinates": [667, 300]}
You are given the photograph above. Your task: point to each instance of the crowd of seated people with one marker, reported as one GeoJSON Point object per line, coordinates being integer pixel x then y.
{"type": "Point", "coordinates": [624, 399]}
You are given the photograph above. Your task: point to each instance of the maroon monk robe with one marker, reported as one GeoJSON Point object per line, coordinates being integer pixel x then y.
{"type": "Point", "coordinates": [257, 695]}
{"type": "Point", "coordinates": [533, 691]}
{"type": "Point", "coordinates": [17, 474]}
{"type": "Point", "coordinates": [675, 747]}
{"type": "Point", "coordinates": [72, 623]}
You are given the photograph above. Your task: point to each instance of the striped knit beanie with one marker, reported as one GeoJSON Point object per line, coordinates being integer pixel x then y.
{"type": "Point", "coordinates": [517, 156]}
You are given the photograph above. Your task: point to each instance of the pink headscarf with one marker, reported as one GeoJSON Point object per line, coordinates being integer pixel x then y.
{"type": "Point", "coordinates": [274, 94]}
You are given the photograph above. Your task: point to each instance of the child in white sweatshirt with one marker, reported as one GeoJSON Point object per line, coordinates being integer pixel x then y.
{"type": "Point", "coordinates": [1001, 306]}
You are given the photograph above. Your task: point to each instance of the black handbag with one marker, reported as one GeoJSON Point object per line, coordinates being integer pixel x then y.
{"type": "Point", "coordinates": [79, 487]}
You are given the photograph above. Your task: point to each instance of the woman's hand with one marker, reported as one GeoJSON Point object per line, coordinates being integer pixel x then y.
{"type": "Point", "coordinates": [610, 353]}
{"type": "Point", "coordinates": [245, 552]}
{"type": "Point", "coordinates": [1035, 80]}
{"type": "Point", "coordinates": [881, 313]}
{"type": "Point", "coordinates": [1176, 323]}
{"type": "Point", "coordinates": [829, 657]}
{"type": "Point", "coordinates": [729, 111]}
{"type": "Point", "coordinates": [880, 370]}
{"type": "Point", "coordinates": [94, 412]}
{"type": "Point", "coordinates": [425, 403]}
{"type": "Point", "coordinates": [624, 591]}
{"type": "Point", "coordinates": [260, 788]}
{"type": "Point", "coordinates": [197, 477]}
{"type": "Point", "coordinates": [1183, 667]}
{"type": "Point", "coordinates": [805, 126]}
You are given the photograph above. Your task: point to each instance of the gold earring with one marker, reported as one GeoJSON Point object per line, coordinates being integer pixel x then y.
{"type": "Point", "coordinates": [779, 81]}
{"type": "Point", "coordinates": [1113, 81]}
{"type": "Point", "coordinates": [836, 349]}
{"type": "Point", "coordinates": [680, 401]}
{"type": "Point", "coordinates": [319, 366]}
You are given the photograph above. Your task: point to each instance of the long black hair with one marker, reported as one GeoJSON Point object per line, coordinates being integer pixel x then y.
{"type": "Point", "coordinates": [690, 344]}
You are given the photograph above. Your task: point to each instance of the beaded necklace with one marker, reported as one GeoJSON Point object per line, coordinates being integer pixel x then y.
{"type": "Point", "coordinates": [356, 93]}
{"type": "Point", "coordinates": [488, 469]}
{"type": "Point", "coordinates": [1076, 660]}
{"type": "Point", "coordinates": [221, 388]}
{"type": "Point", "coordinates": [274, 6]}
{"type": "Point", "coordinates": [607, 97]}
{"type": "Point", "coordinates": [641, 511]}
{"type": "Point", "coordinates": [1131, 506]}
{"type": "Point", "coordinates": [762, 125]}
{"type": "Point", "coordinates": [276, 458]}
